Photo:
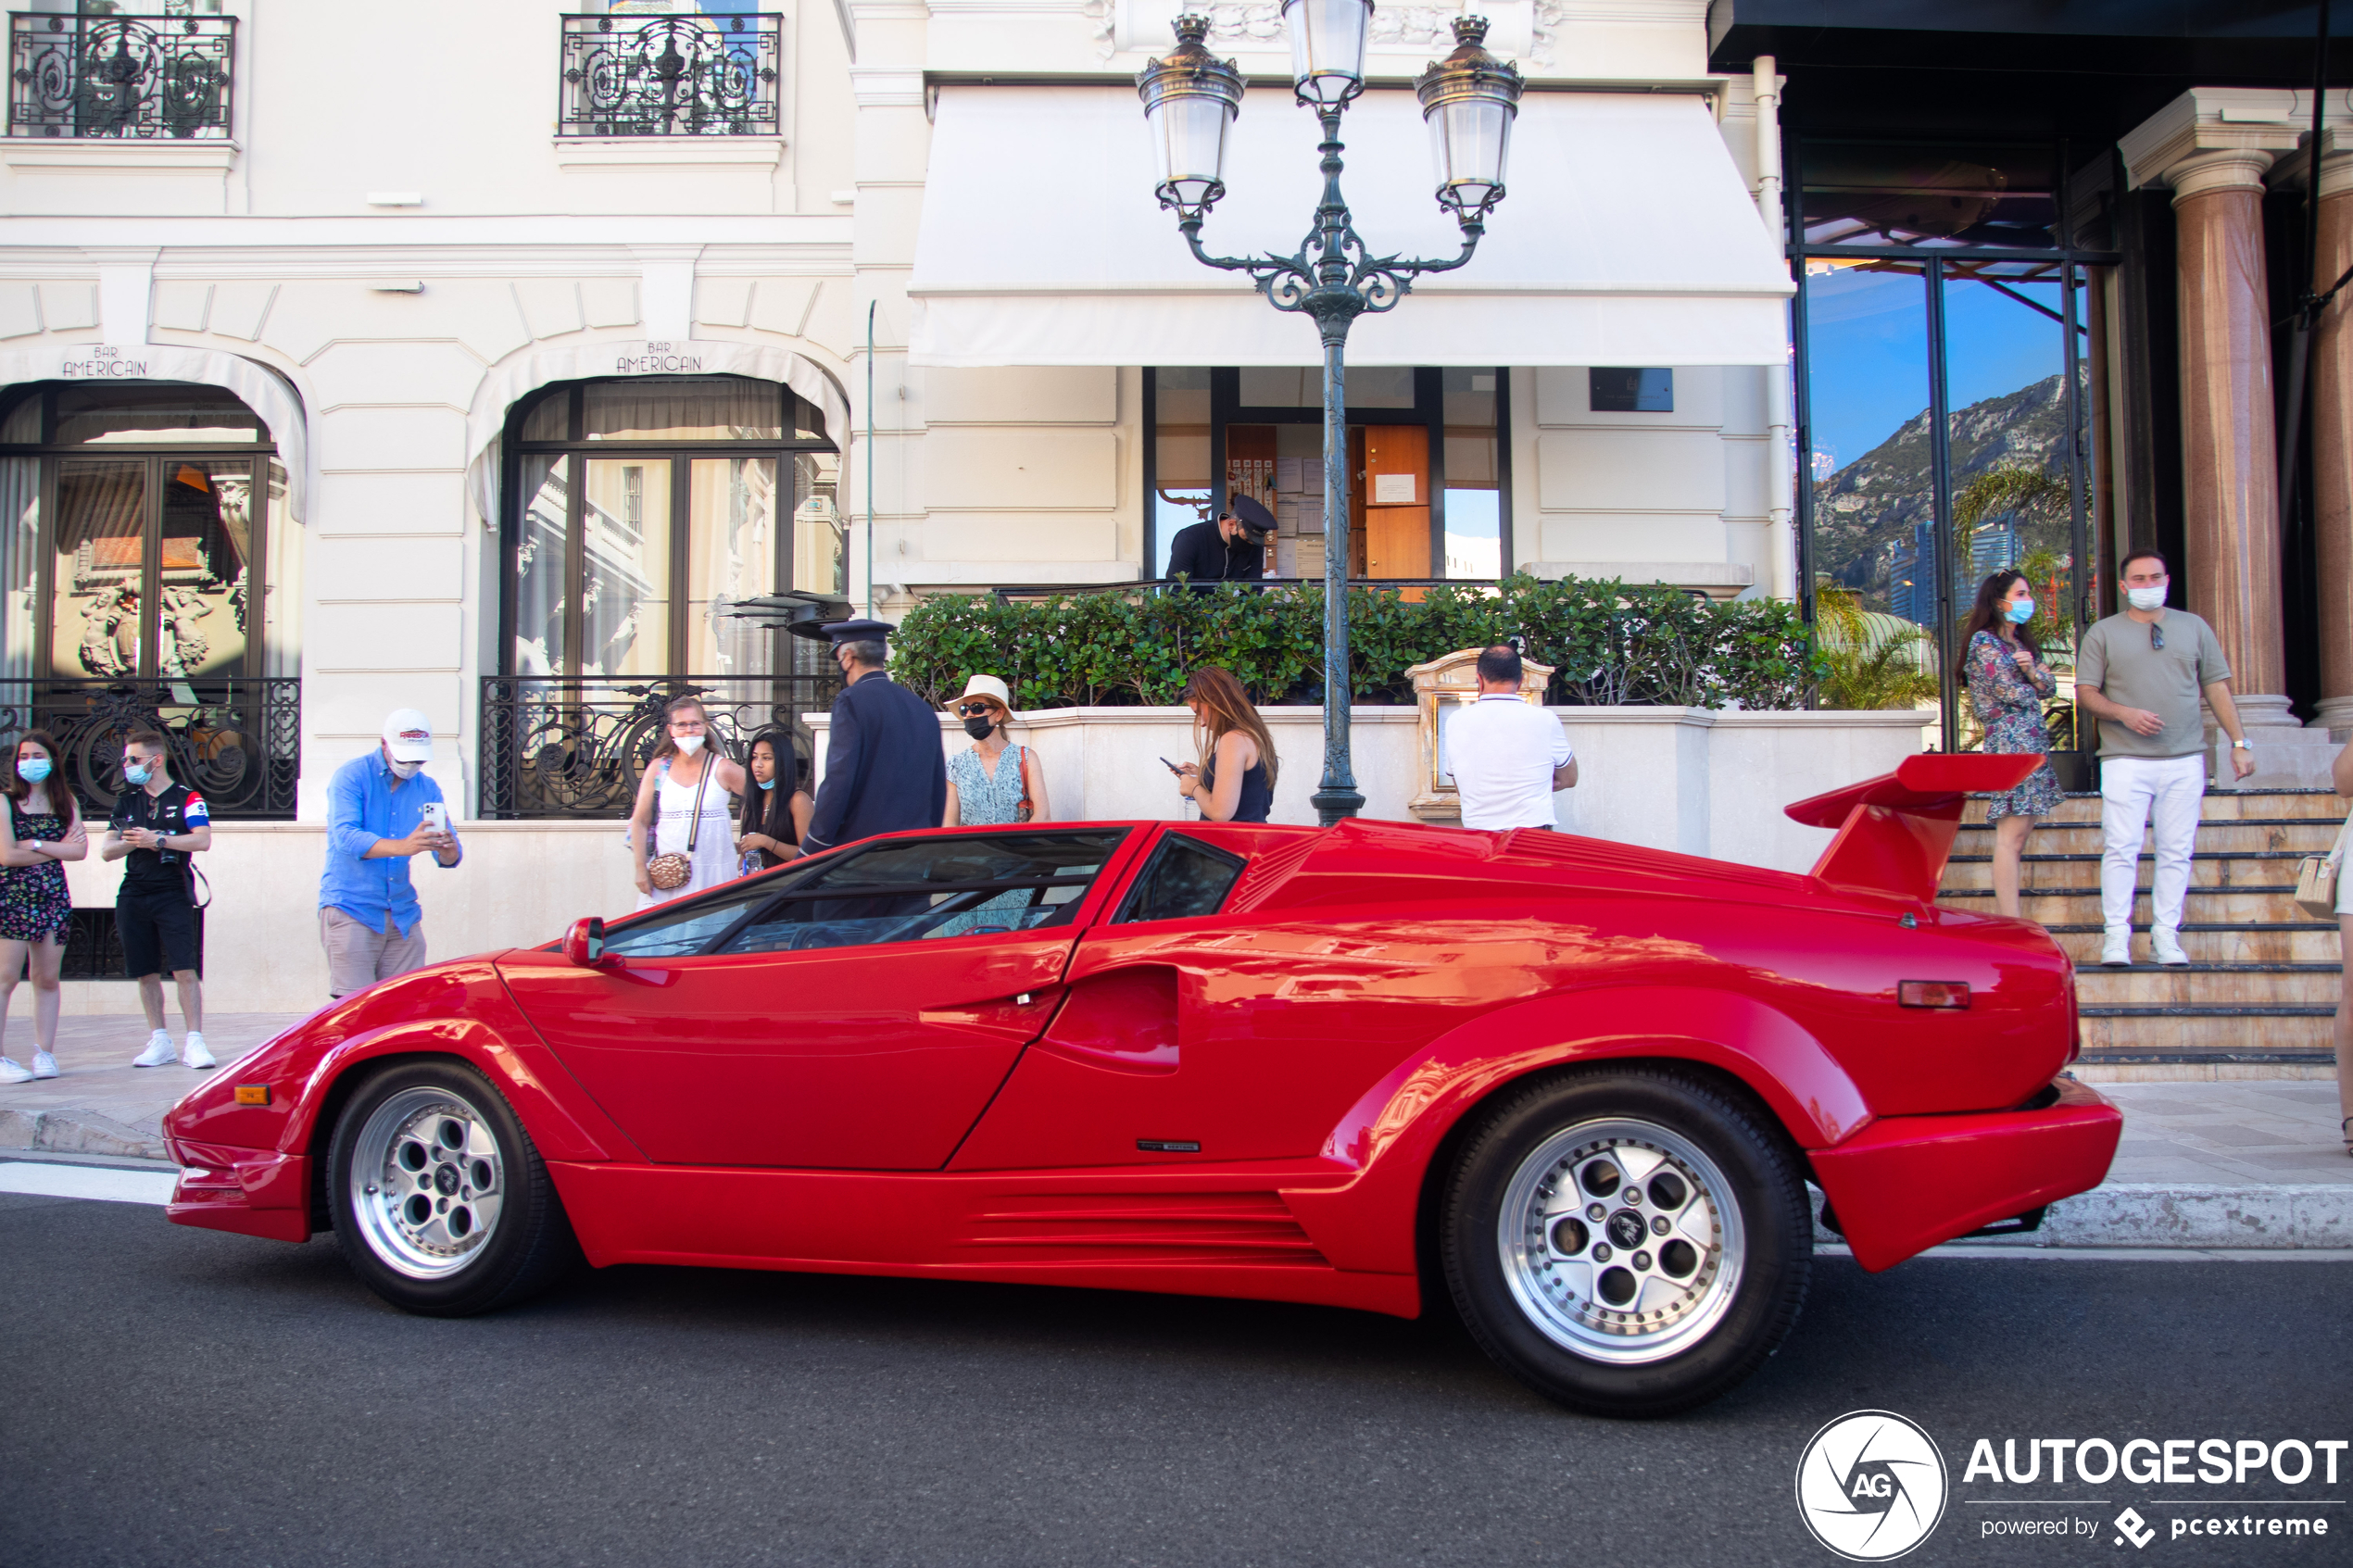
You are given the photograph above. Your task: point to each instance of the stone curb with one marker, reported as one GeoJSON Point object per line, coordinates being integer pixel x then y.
{"type": "Point", "coordinates": [2158, 1214]}
{"type": "Point", "coordinates": [77, 1132]}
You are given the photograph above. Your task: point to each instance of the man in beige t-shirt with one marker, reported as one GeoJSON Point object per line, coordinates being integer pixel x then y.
{"type": "Point", "coordinates": [2140, 674]}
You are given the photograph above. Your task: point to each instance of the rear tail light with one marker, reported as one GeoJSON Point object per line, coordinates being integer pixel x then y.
{"type": "Point", "coordinates": [1932, 993]}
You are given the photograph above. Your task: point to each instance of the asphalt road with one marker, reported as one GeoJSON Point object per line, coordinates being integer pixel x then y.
{"type": "Point", "coordinates": [182, 1398]}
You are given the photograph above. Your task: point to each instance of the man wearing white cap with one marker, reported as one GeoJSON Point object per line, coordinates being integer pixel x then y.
{"type": "Point", "coordinates": [381, 809]}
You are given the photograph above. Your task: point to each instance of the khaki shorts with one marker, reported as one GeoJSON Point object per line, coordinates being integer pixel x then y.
{"type": "Point", "coordinates": [357, 957]}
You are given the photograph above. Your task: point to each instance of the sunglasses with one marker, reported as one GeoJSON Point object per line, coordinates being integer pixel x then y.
{"type": "Point", "coordinates": [974, 709]}
{"type": "Point", "coordinates": [2156, 639]}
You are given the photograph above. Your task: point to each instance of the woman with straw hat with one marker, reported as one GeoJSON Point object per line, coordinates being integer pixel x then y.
{"type": "Point", "coordinates": [982, 789]}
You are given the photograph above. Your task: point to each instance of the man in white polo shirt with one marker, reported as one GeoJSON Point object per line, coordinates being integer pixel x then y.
{"type": "Point", "coordinates": [1507, 757]}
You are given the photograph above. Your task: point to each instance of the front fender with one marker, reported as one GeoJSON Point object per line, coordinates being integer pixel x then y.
{"type": "Point", "coordinates": [1390, 1135]}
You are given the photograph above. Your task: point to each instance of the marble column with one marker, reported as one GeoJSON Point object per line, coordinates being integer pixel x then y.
{"type": "Point", "coordinates": [2230, 456]}
{"type": "Point", "coordinates": [2332, 437]}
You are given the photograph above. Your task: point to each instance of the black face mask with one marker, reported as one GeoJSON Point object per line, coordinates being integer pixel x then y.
{"type": "Point", "coordinates": [978, 728]}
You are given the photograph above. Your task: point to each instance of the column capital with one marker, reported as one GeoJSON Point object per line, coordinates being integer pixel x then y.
{"type": "Point", "coordinates": [2221, 169]}
{"type": "Point", "coordinates": [2244, 120]}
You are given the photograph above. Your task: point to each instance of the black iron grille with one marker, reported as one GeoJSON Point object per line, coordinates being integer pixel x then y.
{"type": "Point", "coordinates": [236, 740]}
{"type": "Point", "coordinates": [670, 76]}
{"type": "Point", "coordinates": [160, 78]}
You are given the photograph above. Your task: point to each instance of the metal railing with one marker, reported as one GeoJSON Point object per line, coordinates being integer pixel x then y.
{"type": "Point", "coordinates": [558, 747]}
{"type": "Point", "coordinates": [671, 76]}
{"type": "Point", "coordinates": [137, 78]}
{"type": "Point", "coordinates": [236, 739]}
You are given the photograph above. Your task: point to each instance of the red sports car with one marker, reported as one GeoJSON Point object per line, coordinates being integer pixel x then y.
{"type": "Point", "coordinates": [1579, 1087]}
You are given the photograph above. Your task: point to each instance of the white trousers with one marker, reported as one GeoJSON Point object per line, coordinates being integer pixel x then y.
{"type": "Point", "coordinates": [2133, 789]}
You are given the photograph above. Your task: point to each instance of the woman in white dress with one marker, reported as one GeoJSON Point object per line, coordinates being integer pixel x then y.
{"type": "Point", "coordinates": [681, 773]}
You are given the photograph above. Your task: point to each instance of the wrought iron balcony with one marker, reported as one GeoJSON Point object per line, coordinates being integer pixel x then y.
{"type": "Point", "coordinates": [671, 76]}
{"type": "Point", "coordinates": [236, 740]}
{"type": "Point", "coordinates": [136, 77]}
{"type": "Point", "coordinates": [554, 746]}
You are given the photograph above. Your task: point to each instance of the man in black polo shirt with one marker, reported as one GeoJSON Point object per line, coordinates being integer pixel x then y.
{"type": "Point", "coordinates": [159, 824]}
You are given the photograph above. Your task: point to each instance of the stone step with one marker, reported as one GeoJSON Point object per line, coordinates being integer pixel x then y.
{"type": "Point", "coordinates": [2217, 805]}
{"type": "Point", "coordinates": [2079, 906]}
{"type": "Point", "coordinates": [2214, 1034]}
{"type": "Point", "coordinates": [2218, 943]}
{"type": "Point", "coordinates": [2255, 984]}
{"type": "Point", "coordinates": [2227, 869]}
{"type": "Point", "coordinates": [2279, 836]}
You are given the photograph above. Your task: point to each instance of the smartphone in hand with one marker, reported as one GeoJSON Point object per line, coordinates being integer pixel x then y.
{"type": "Point", "coordinates": [434, 817]}
{"type": "Point", "coordinates": [1170, 766]}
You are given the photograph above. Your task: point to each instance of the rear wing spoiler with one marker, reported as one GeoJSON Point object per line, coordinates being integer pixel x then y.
{"type": "Point", "coordinates": [1896, 831]}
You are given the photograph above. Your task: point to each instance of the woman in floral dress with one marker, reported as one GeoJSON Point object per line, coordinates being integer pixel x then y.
{"type": "Point", "coordinates": [40, 826]}
{"type": "Point", "coordinates": [2007, 683]}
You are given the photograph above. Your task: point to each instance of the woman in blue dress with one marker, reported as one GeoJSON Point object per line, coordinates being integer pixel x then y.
{"type": "Point", "coordinates": [2007, 684]}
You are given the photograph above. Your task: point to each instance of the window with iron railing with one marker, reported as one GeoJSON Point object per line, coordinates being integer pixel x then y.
{"type": "Point", "coordinates": [117, 75]}
{"type": "Point", "coordinates": [683, 75]}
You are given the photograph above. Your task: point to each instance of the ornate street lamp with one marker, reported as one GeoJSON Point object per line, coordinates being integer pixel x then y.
{"type": "Point", "coordinates": [1468, 99]}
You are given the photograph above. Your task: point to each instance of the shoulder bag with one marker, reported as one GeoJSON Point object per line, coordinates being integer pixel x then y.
{"type": "Point", "coordinates": [2316, 878]}
{"type": "Point", "coordinates": [1025, 808]}
{"type": "Point", "coordinates": [674, 869]}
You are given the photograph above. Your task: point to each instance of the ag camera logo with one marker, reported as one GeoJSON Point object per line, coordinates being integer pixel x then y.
{"type": "Point", "coordinates": [1871, 1485]}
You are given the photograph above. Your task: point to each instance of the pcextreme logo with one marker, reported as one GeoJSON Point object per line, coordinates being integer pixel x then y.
{"type": "Point", "coordinates": [1871, 1485]}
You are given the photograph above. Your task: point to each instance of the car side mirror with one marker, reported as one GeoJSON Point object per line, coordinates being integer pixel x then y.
{"type": "Point", "coordinates": [584, 945]}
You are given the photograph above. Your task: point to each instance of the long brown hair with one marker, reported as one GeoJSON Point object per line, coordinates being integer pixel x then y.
{"type": "Point", "coordinates": [18, 788]}
{"type": "Point", "coordinates": [1227, 707]}
{"type": "Point", "coordinates": [669, 747]}
{"type": "Point", "coordinates": [1991, 609]}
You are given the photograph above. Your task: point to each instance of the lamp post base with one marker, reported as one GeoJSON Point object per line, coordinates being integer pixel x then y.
{"type": "Point", "coordinates": [1334, 803]}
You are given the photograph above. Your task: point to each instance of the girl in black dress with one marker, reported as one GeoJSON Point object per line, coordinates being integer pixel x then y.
{"type": "Point", "coordinates": [775, 805]}
{"type": "Point", "coordinates": [1233, 781]}
{"type": "Point", "coordinates": [41, 827]}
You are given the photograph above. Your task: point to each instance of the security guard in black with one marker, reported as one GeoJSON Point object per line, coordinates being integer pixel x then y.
{"type": "Point", "coordinates": [155, 907]}
{"type": "Point", "coordinates": [1232, 549]}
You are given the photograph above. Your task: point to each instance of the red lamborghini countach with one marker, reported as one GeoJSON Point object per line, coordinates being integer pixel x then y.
{"type": "Point", "coordinates": [1578, 1088]}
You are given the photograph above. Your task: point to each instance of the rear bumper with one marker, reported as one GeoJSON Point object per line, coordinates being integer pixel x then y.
{"type": "Point", "coordinates": [1905, 1183]}
{"type": "Point", "coordinates": [251, 1191]}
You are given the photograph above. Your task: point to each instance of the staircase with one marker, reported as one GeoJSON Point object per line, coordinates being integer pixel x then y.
{"type": "Point", "coordinates": [2259, 995]}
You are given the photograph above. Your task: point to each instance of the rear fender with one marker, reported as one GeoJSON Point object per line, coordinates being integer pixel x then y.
{"type": "Point", "coordinates": [1391, 1132]}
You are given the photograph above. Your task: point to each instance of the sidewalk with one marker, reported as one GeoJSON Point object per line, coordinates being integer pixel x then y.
{"type": "Point", "coordinates": [2246, 1163]}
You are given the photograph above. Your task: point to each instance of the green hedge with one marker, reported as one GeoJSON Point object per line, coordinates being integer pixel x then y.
{"type": "Point", "coordinates": [1609, 642]}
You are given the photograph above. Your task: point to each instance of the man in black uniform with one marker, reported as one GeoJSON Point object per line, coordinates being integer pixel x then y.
{"type": "Point", "coordinates": [1232, 549]}
{"type": "Point", "coordinates": [159, 824]}
{"type": "Point", "coordinates": [885, 769]}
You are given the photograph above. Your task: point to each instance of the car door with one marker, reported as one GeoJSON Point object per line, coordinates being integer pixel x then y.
{"type": "Point", "coordinates": [854, 1014]}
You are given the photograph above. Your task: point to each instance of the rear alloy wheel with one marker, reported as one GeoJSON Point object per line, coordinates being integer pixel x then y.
{"type": "Point", "coordinates": [1627, 1241]}
{"type": "Point", "coordinates": [442, 1204]}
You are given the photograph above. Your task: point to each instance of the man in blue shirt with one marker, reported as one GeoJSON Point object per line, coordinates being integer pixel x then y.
{"type": "Point", "coordinates": [380, 810]}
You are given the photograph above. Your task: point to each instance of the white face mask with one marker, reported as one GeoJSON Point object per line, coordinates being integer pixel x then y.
{"type": "Point", "coordinates": [406, 770]}
{"type": "Point", "coordinates": [689, 744]}
{"type": "Point", "coordinates": [2146, 598]}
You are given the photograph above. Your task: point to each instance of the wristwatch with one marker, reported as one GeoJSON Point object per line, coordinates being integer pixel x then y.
{"type": "Point", "coordinates": [2241, 746]}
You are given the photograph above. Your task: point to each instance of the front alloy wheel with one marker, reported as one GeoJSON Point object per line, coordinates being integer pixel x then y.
{"type": "Point", "coordinates": [1630, 1241]}
{"type": "Point", "coordinates": [442, 1204]}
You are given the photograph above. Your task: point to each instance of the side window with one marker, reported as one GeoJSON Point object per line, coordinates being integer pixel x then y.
{"type": "Point", "coordinates": [688, 929]}
{"type": "Point", "coordinates": [1185, 877]}
{"type": "Point", "coordinates": [933, 888]}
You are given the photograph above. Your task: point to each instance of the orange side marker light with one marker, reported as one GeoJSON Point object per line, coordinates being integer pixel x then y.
{"type": "Point", "coordinates": [253, 1094]}
{"type": "Point", "coordinates": [1932, 993]}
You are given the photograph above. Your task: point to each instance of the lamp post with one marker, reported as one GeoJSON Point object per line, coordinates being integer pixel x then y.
{"type": "Point", "coordinates": [1468, 100]}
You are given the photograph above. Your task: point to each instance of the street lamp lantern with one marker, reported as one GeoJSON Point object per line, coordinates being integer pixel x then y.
{"type": "Point", "coordinates": [1328, 49]}
{"type": "Point", "coordinates": [1469, 100]}
{"type": "Point", "coordinates": [1190, 99]}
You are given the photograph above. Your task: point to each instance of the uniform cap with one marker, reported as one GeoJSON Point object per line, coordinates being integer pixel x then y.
{"type": "Point", "coordinates": [1256, 520]}
{"type": "Point", "coordinates": [840, 632]}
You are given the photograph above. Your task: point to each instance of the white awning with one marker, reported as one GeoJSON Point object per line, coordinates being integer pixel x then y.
{"type": "Point", "coordinates": [1627, 238]}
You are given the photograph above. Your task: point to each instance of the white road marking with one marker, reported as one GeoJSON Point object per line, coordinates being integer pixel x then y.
{"type": "Point", "coordinates": [2132, 1254]}
{"type": "Point", "coordinates": [104, 1184]}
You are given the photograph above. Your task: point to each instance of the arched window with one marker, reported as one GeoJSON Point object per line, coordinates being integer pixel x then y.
{"type": "Point", "coordinates": [642, 511]}
{"type": "Point", "coordinates": [145, 574]}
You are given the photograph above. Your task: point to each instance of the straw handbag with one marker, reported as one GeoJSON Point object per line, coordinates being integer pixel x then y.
{"type": "Point", "coordinates": [676, 868]}
{"type": "Point", "coordinates": [2316, 878]}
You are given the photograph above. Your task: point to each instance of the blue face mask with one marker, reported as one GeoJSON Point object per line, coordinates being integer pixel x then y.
{"type": "Point", "coordinates": [32, 769]}
{"type": "Point", "coordinates": [134, 773]}
{"type": "Point", "coordinates": [767, 783]}
{"type": "Point", "coordinates": [2022, 612]}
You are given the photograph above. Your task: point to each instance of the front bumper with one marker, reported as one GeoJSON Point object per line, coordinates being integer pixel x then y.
{"type": "Point", "coordinates": [1905, 1183]}
{"type": "Point", "coordinates": [251, 1191]}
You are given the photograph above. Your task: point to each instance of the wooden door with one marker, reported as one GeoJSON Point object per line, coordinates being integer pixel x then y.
{"type": "Point", "coordinates": [1396, 489]}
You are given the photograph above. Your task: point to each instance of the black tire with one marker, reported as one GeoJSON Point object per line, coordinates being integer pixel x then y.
{"type": "Point", "coordinates": [1720, 1312]}
{"type": "Point", "coordinates": [418, 1245]}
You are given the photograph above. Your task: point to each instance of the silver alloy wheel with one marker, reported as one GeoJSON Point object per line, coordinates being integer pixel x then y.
{"type": "Point", "coordinates": [427, 1182]}
{"type": "Point", "coordinates": [1621, 1241]}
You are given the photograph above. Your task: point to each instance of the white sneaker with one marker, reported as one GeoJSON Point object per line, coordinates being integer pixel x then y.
{"type": "Point", "coordinates": [194, 1053]}
{"type": "Point", "coordinates": [2167, 947]}
{"type": "Point", "coordinates": [12, 1071]}
{"type": "Point", "coordinates": [160, 1052]}
{"type": "Point", "coordinates": [2117, 949]}
{"type": "Point", "coordinates": [43, 1065]}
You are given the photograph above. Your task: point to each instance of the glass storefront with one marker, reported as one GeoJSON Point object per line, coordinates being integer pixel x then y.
{"type": "Point", "coordinates": [1943, 390]}
{"type": "Point", "coordinates": [1426, 462]}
